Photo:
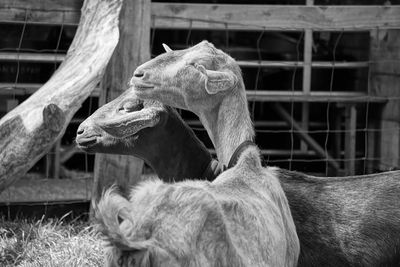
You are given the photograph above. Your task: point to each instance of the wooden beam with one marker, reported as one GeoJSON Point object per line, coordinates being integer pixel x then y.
{"type": "Point", "coordinates": [32, 57]}
{"type": "Point", "coordinates": [52, 57]}
{"type": "Point", "coordinates": [384, 81]}
{"type": "Point", "coordinates": [295, 64]}
{"type": "Point", "coordinates": [30, 130]}
{"type": "Point", "coordinates": [307, 51]}
{"type": "Point", "coordinates": [313, 96]}
{"type": "Point", "coordinates": [133, 49]}
{"type": "Point", "coordinates": [213, 16]}
{"type": "Point", "coordinates": [30, 88]}
{"type": "Point", "coordinates": [46, 5]}
{"type": "Point", "coordinates": [350, 139]}
{"type": "Point", "coordinates": [42, 12]}
{"type": "Point", "coordinates": [274, 17]}
{"type": "Point", "coordinates": [260, 123]}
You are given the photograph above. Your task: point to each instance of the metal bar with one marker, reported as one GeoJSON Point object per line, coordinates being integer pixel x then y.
{"type": "Point", "coordinates": [304, 136]}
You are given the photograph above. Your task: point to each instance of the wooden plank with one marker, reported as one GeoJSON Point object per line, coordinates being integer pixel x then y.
{"type": "Point", "coordinates": [273, 17]}
{"type": "Point", "coordinates": [212, 16]}
{"type": "Point", "coordinates": [281, 153]}
{"type": "Point", "coordinates": [295, 64]}
{"type": "Point", "coordinates": [30, 16]}
{"type": "Point", "coordinates": [46, 5]}
{"type": "Point", "coordinates": [307, 58]}
{"type": "Point", "coordinates": [260, 123]}
{"type": "Point", "coordinates": [43, 12]}
{"type": "Point", "coordinates": [350, 139]}
{"type": "Point", "coordinates": [252, 95]}
{"type": "Point", "coordinates": [32, 57]}
{"type": "Point", "coordinates": [313, 96]}
{"type": "Point", "coordinates": [133, 49]}
{"type": "Point", "coordinates": [30, 88]}
{"type": "Point", "coordinates": [384, 81]}
{"type": "Point", "coordinates": [47, 57]}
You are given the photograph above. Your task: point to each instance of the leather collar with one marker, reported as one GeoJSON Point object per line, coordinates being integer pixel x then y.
{"type": "Point", "coordinates": [238, 152]}
{"type": "Point", "coordinates": [215, 168]}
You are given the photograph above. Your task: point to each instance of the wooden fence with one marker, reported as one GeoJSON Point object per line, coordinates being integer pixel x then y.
{"type": "Point", "coordinates": [382, 23]}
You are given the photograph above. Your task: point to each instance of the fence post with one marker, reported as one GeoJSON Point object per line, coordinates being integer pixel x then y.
{"type": "Point", "coordinates": [384, 81]}
{"type": "Point", "coordinates": [132, 50]}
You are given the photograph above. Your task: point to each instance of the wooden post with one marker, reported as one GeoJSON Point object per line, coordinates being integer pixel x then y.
{"type": "Point", "coordinates": [132, 50]}
{"type": "Point", "coordinates": [350, 139]}
{"type": "Point", "coordinates": [384, 81]}
{"type": "Point", "coordinates": [308, 43]}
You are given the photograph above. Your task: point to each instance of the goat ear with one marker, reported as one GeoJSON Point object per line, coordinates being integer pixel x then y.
{"type": "Point", "coordinates": [166, 47]}
{"type": "Point", "coordinates": [217, 81]}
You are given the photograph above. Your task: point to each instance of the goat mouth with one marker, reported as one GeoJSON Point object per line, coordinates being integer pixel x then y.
{"type": "Point", "coordinates": [140, 85]}
{"type": "Point", "coordinates": [86, 142]}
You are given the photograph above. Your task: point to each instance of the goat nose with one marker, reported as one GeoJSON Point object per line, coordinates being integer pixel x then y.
{"type": "Point", "coordinates": [138, 73]}
{"type": "Point", "coordinates": [80, 130]}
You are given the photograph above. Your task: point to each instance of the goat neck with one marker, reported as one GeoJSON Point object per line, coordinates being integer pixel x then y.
{"type": "Point", "coordinates": [229, 124]}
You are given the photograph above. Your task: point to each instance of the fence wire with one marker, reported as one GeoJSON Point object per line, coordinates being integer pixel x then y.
{"type": "Point", "coordinates": [368, 129]}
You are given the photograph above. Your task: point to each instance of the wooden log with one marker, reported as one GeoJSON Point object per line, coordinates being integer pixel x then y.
{"type": "Point", "coordinates": [133, 49]}
{"type": "Point", "coordinates": [29, 131]}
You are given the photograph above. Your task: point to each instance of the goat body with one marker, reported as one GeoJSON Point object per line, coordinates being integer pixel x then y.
{"type": "Point", "coordinates": [197, 223]}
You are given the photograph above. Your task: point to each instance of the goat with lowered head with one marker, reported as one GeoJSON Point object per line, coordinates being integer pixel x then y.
{"type": "Point", "coordinates": [151, 131]}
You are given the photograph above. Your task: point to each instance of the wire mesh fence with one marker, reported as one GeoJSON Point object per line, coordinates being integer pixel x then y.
{"type": "Point", "coordinates": [321, 100]}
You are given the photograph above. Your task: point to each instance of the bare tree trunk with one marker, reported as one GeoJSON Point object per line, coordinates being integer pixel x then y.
{"type": "Point", "coordinates": [29, 131]}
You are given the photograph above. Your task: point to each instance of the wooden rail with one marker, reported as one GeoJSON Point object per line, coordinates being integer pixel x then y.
{"type": "Point", "coordinates": [58, 57]}
{"type": "Point", "coordinates": [29, 88]}
{"type": "Point", "coordinates": [222, 16]}
{"type": "Point", "coordinates": [273, 17]}
{"type": "Point", "coordinates": [313, 96]}
{"type": "Point", "coordinates": [316, 64]}
{"type": "Point", "coordinates": [32, 57]}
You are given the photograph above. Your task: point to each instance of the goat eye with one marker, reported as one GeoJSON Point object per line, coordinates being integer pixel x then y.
{"type": "Point", "coordinates": [130, 106]}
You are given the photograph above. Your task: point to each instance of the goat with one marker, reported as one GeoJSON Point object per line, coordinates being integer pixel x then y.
{"type": "Point", "coordinates": [209, 83]}
{"type": "Point", "coordinates": [150, 131]}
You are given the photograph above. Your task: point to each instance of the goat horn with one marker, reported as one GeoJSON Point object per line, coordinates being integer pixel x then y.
{"type": "Point", "coordinates": [166, 47]}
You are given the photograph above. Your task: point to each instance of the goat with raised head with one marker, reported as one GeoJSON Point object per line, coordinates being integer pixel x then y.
{"type": "Point", "coordinates": [209, 83]}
